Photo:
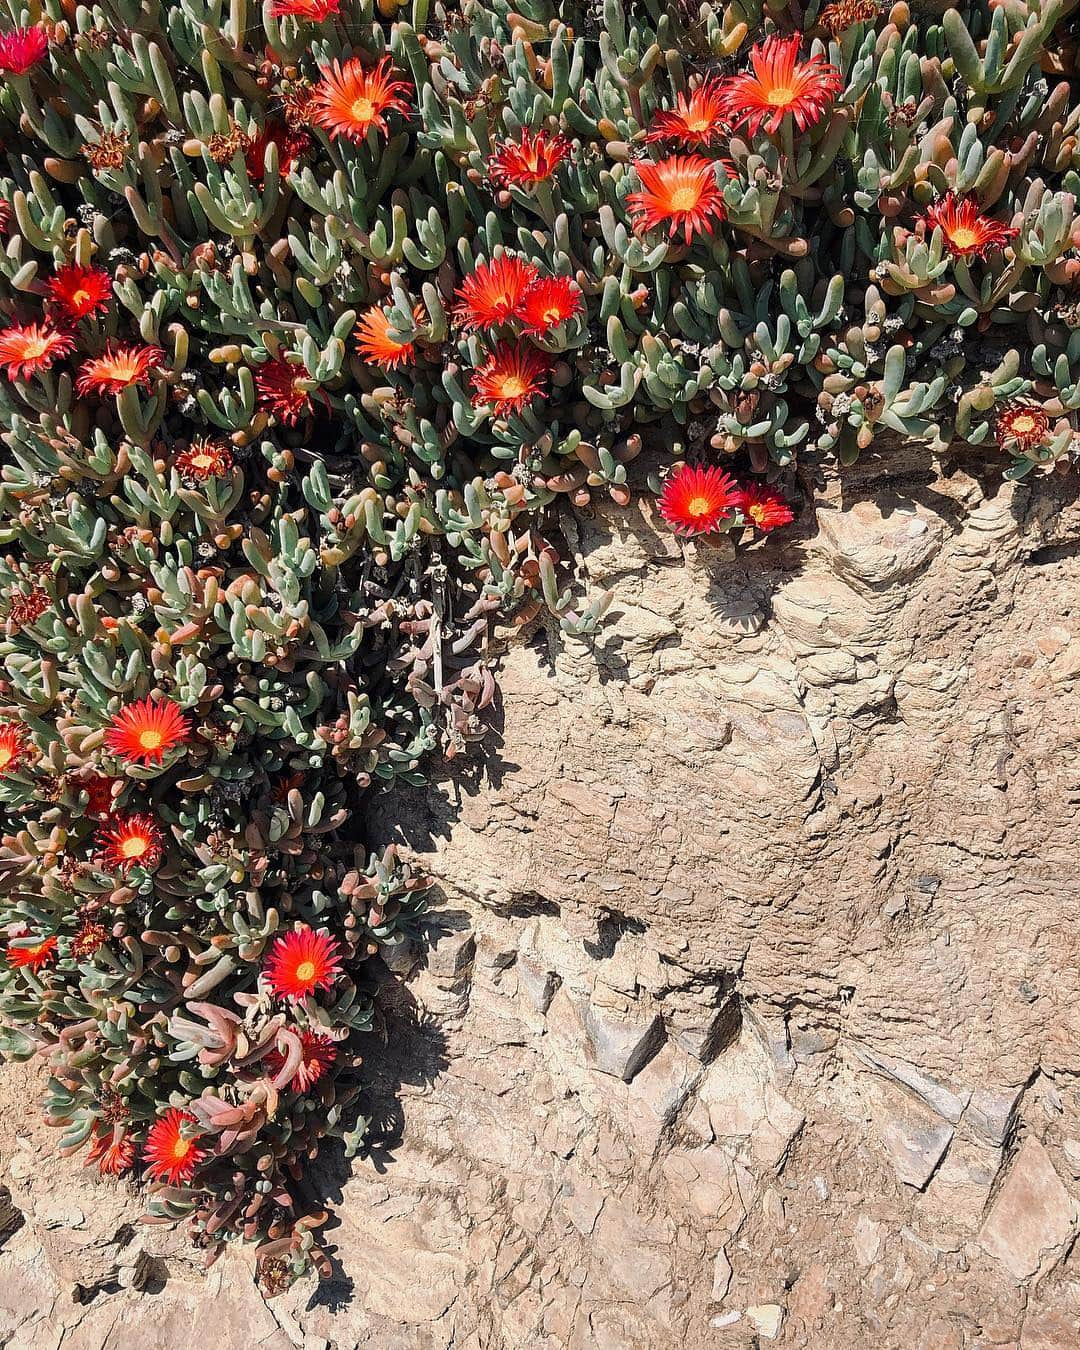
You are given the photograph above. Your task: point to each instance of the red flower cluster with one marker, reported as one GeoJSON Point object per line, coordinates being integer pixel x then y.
{"type": "Point", "coordinates": [76, 292]}
{"type": "Point", "coordinates": [700, 500]}
{"type": "Point", "coordinates": [966, 231]}
{"type": "Point", "coordinates": [374, 340]}
{"type": "Point", "coordinates": [33, 955]}
{"type": "Point", "coordinates": [21, 49]}
{"type": "Point", "coordinates": [122, 366]}
{"type": "Point", "coordinates": [13, 746]}
{"type": "Point", "coordinates": [27, 348]}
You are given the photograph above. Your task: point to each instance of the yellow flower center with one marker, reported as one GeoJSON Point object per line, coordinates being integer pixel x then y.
{"type": "Point", "coordinates": [756, 514]}
{"type": "Point", "coordinates": [33, 347]}
{"type": "Point", "coordinates": [305, 971]}
{"type": "Point", "coordinates": [6, 756]}
{"type": "Point", "coordinates": [685, 198]}
{"type": "Point", "coordinates": [134, 847]}
{"type": "Point", "coordinates": [963, 237]}
{"type": "Point", "coordinates": [150, 740]}
{"type": "Point", "coordinates": [181, 1148]}
{"type": "Point", "coordinates": [202, 461]}
{"type": "Point", "coordinates": [80, 297]}
{"type": "Point", "coordinates": [1023, 424]}
{"type": "Point", "coordinates": [699, 506]}
{"type": "Point", "coordinates": [780, 95]}
{"type": "Point", "coordinates": [513, 386]}
{"type": "Point", "coordinates": [697, 121]}
{"type": "Point", "coordinates": [362, 110]}
{"type": "Point", "coordinates": [552, 315]}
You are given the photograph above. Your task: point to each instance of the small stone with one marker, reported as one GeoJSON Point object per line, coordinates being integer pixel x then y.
{"type": "Point", "coordinates": [821, 1188]}
{"type": "Point", "coordinates": [536, 983]}
{"type": "Point", "coordinates": [721, 1280]}
{"type": "Point", "coordinates": [766, 1319]}
{"type": "Point", "coordinates": [1071, 1150]}
{"type": "Point", "coordinates": [869, 1240]}
{"type": "Point", "coordinates": [1033, 1219]}
{"type": "Point", "coordinates": [727, 1319]}
{"type": "Point", "coordinates": [990, 1113]}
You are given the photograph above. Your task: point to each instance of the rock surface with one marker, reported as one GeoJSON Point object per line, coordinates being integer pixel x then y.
{"type": "Point", "coordinates": [752, 1010]}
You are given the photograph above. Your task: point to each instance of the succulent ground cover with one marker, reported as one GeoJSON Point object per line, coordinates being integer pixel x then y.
{"type": "Point", "coordinates": [311, 314]}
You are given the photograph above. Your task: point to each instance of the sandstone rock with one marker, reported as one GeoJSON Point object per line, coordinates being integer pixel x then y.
{"type": "Point", "coordinates": [766, 1319]}
{"type": "Point", "coordinates": [621, 1046]}
{"type": "Point", "coordinates": [990, 1113]}
{"type": "Point", "coordinates": [658, 1091]}
{"type": "Point", "coordinates": [869, 1240]}
{"type": "Point", "coordinates": [1070, 1149]}
{"type": "Point", "coordinates": [915, 1138]}
{"type": "Point", "coordinates": [1050, 1330]}
{"type": "Point", "coordinates": [1033, 1218]}
{"type": "Point", "coordinates": [944, 1101]}
{"type": "Point", "coordinates": [721, 1276]}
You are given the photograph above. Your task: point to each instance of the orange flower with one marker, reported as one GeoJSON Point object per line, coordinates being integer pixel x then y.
{"type": "Point", "coordinates": [494, 292]}
{"type": "Point", "coordinates": [33, 955]}
{"type": "Point", "coordinates": [145, 731]}
{"type": "Point", "coordinates": [510, 378]}
{"type": "Point", "coordinates": [204, 459]}
{"type": "Point", "coordinates": [549, 302]}
{"type": "Point", "coordinates": [781, 84]}
{"type": "Point", "coordinates": [27, 348]}
{"type": "Point", "coordinates": [301, 962]}
{"type": "Point", "coordinates": [681, 190]}
{"type": "Point", "coordinates": [13, 746]}
{"type": "Point", "coordinates": [290, 146]}
{"type": "Point", "coordinates": [121, 366]}
{"type": "Point", "coordinates": [765, 507]}
{"type": "Point", "coordinates": [528, 160]}
{"type": "Point", "coordinates": [130, 841]}
{"type": "Point", "coordinates": [22, 48]}
{"type": "Point", "coordinates": [113, 1156]}
{"type": "Point", "coordinates": [171, 1156]}
{"type": "Point", "coordinates": [694, 121]}
{"type": "Point", "coordinates": [967, 233]}
{"type": "Point", "coordinates": [277, 390]}
{"type": "Point", "coordinates": [697, 501]}
{"type": "Point", "coordinates": [375, 343]}
{"type": "Point", "coordinates": [314, 11]}
{"type": "Point", "coordinates": [318, 1053]}
{"type": "Point", "coordinates": [349, 100]}
{"type": "Point", "coordinates": [1022, 426]}
{"type": "Point", "coordinates": [79, 292]}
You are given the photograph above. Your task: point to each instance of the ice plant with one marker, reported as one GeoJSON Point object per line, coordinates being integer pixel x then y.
{"type": "Point", "coordinates": [130, 841]}
{"type": "Point", "coordinates": [21, 49]}
{"type": "Point", "coordinates": [318, 1052]}
{"type": "Point", "coordinates": [13, 746]}
{"type": "Point", "coordinates": [146, 731]}
{"type": "Point", "coordinates": [31, 955]}
{"type": "Point", "coordinates": [27, 348]}
{"type": "Point", "coordinates": [510, 378]}
{"type": "Point", "coordinates": [765, 507]}
{"type": "Point", "coordinates": [351, 98]}
{"type": "Point", "coordinates": [170, 1151]}
{"type": "Point", "coordinates": [77, 292]}
{"type": "Point", "coordinates": [313, 11]}
{"type": "Point", "coordinates": [204, 459]}
{"type": "Point", "coordinates": [122, 366]}
{"type": "Point", "coordinates": [694, 122]}
{"type": "Point", "coordinates": [494, 292]}
{"type": "Point", "coordinates": [528, 160]}
{"type": "Point", "coordinates": [291, 145]}
{"type": "Point", "coordinates": [680, 192]}
{"type": "Point", "coordinates": [837, 17]}
{"type": "Point", "coordinates": [301, 962]}
{"type": "Point", "coordinates": [697, 500]}
{"type": "Point", "coordinates": [278, 388]}
{"type": "Point", "coordinates": [113, 1156]}
{"type": "Point", "coordinates": [1022, 426]}
{"type": "Point", "coordinates": [779, 83]}
{"type": "Point", "coordinates": [548, 303]}
{"type": "Point", "coordinates": [375, 343]}
{"type": "Point", "coordinates": [90, 937]}
{"type": "Point", "coordinates": [966, 231]}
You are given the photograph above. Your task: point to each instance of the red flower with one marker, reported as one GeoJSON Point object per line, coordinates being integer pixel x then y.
{"type": "Point", "coordinates": [204, 459]}
{"type": "Point", "coordinates": [7, 215]}
{"type": "Point", "coordinates": [549, 302]}
{"type": "Point", "coordinates": [130, 841]}
{"type": "Point", "coordinates": [26, 607]}
{"type": "Point", "coordinates": [290, 146]}
{"type": "Point", "coordinates": [1022, 426]}
{"type": "Point", "coordinates": [13, 746]}
{"type": "Point", "coordinates": [528, 160]}
{"type": "Point", "coordinates": [781, 84]}
{"type": "Point", "coordinates": [99, 790]}
{"type": "Point", "coordinates": [694, 121]}
{"type": "Point", "coordinates": [697, 501]}
{"type": "Point", "coordinates": [681, 190]}
{"type": "Point", "coordinates": [172, 1157]}
{"type": "Point", "coordinates": [79, 292]}
{"type": "Point", "coordinates": [145, 731]}
{"type": "Point", "coordinates": [510, 378]}
{"type": "Point", "coordinates": [112, 1155]}
{"type": "Point", "coordinates": [277, 390]}
{"type": "Point", "coordinates": [88, 939]}
{"type": "Point", "coordinates": [22, 48]}
{"type": "Point", "coordinates": [765, 507]}
{"type": "Point", "coordinates": [33, 955]}
{"type": "Point", "coordinates": [349, 99]}
{"type": "Point", "coordinates": [318, 1053]}
{"type": "Point", "coordinates": [375, 343]}
{"type": "Point", "coordinates": [494, 293]}
{"type": "Point", "coordinates": [27, 348]}
{"type": "Point", "coordinates": [314, 11]}
{"type": "Point", "coordinates": [966, 231]}
{"type": "Point", "coordinates": [301, 962]}
{"type": "Point", "coordinates": [121, 366]}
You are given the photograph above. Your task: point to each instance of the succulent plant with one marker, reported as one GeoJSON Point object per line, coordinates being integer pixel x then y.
{"type": "Point", "coordinates": [313, 315]}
